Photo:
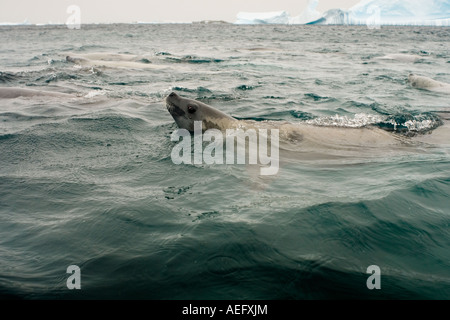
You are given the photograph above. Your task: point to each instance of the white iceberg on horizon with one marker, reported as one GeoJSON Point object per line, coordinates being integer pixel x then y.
{"type": "Point", "coordinates": [24, 23]}
{"type": "Point", "coordinates": [280, 17]}
{"type": "Point", "coordinates": [366, 12]}
{"type": "Point", "coordinates": [276, 17]}
{"type": "Point", "coordinates": [309, 14]}
{"type": "Point", "coordinates": [390, 12]}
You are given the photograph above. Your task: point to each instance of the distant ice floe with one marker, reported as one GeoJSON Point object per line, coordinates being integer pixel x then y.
{"type": "Point", "coordinates": [277, 17]}
{"type": "Point", "coordinates": [366, 12]}
{"type": "Point", "coordinates": [280, 17]}
{"type": "Point", "coordinates": [24, 23]}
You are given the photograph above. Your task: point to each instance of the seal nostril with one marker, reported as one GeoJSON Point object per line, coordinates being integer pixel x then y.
{"type": "Point", "coordinates": [173, 94]}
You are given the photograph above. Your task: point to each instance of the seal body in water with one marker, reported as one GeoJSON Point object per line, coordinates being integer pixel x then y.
{"type": "Point", "coordinates": [301, 141]}
{"type": "Point", "coordinates": [426, 83]}
{"type": "Point", "coordinates": [401, 57]}
{"type": "Point", "coordinates": [312, 138]}
{"type": "Point", "coordinates": [12, 93]}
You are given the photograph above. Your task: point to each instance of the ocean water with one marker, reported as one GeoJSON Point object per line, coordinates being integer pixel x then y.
{"type": "Point", "coordinates": [89, 180]}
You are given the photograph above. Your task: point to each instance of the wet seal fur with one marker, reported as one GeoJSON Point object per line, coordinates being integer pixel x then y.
{"type": "Point", "coordinates": [185, 111]}
{"type": "Point", "coordinates": [426, 83]}
{"type": "Point", "coordinates": [13, 92]}
{"type": "Point", "coordinates": [315, 140]}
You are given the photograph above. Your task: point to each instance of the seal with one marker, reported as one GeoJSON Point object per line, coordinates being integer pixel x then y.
{"type": "Point", "coordinates": [185, 111]}
{"type": "Point", "coordinates": [12, 93]}
{"type": "Point", "coordinates": [426, 83]}
{"type": "Point", "coordinates": [108, 56]}
{"type": "Point", "coordinates": [401, 57]}
{"type": "Point", "coordinates": [300, 140]}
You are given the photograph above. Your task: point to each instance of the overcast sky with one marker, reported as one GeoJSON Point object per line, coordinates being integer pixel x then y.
{"type": "Point", "coordinates": [125, 11]}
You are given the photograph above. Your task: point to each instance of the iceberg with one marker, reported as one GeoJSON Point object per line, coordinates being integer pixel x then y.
{"type": "Point", "coordinates": [280, 17]}
{"type": "Point", "coordinates": [309, 14]}
{"type": "Point", "coordinates": [367, 12]}
{"type": "Point", "coordinates": [332, 16]}
{"type": "Point", "coordinates": [277, 17]}
{"type": "Point", "coordinates": [25, 23]}
{"type": "Point", "coordinates": [390, 12]}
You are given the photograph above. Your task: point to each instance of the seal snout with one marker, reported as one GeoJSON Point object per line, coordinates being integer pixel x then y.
{"type": "Point", "coordinates": [169, 99]}
{"type": "Point", "coordinates": [172, 96]}
{"type": "Point", "coordinates": [172, 105]}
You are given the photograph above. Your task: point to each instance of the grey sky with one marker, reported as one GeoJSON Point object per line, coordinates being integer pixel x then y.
{"type": "Point", "coordinates": [107, 11]}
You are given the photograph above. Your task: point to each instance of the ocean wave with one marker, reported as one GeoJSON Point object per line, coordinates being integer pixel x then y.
{"type": "Point", "coordinates": [204, 94]}
{"type": "Point", "coordinates": [411, 124]}
{"type": "Point", "coordinates": [89, 47]}
{"type": "Point", "coordinates": [109, 122]}
{"type": "Point", "coordinates": [192, 59]}
{"type": "Point", "coordinates": [162, 53]}
{"type": "Point", "coordinates": [200, 90]}
{"type": "Point", "coordinates": [245, 87]}
{"type": "Point", "coordinates": [281, 116]}
{"type": "Point", "coordinates": [405, 123]}
{"type": "Point", "coordinates": [94, 93]}
{"type": "Point", "coordinates": [219, 97]}
{"type": "Point", "coordinates": [15, 116]}
{"type": "Point", "coordinates": [57, 76]}
{"type": "Point", "coordinates": [360, 105]}
{"type": "Point", "coordinates": [319, 98]}
{"type": "Point", "coordinates": [273, 97]}
{"type": "Point", "coordinates": [398, 80]}
{"type": "Point", "coordinates": [7, 77]}
{"type": "Point", "coordinates": [7, 136]}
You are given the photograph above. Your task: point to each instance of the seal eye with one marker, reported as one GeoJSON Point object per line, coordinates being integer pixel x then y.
{"type": "Point", "coordinates": [191, 109]}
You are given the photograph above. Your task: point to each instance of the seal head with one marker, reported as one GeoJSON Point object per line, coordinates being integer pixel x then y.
{"type": "Point", "coordinates": [185, 111]}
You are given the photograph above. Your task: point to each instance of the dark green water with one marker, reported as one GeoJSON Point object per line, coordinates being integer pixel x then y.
{"type": "Point", "coordinates": [89, 181]}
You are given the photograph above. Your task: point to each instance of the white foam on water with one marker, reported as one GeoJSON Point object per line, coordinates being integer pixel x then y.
{"type": "Point", "coordinates": [94, 93]}
{"type": "Point", "coordinates": [358, 121]}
